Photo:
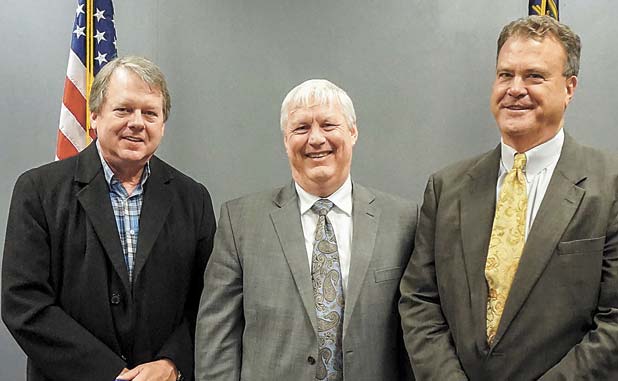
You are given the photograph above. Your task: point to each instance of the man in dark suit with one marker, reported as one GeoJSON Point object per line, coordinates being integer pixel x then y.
{"type": "Point", "coordinates": [105, 251]}
{"type": "Point", "coordinates": [303, 281]}
{"type": "Point", "coordinates": [515, 269]}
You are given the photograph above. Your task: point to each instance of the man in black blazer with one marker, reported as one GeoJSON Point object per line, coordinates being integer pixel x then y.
{"type": "Point", "coordinates": [105, 251]}
{"type": "Point", "coordinates": [550, 312]}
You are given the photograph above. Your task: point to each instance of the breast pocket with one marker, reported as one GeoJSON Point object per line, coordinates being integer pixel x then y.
{"type": "Point", "coordinates": [389, 273]}
{"type": "Point", "coordinates": [581, 246]}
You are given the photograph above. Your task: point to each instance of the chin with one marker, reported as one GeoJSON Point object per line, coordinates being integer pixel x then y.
{"type": "Point", "coordinates": [320, 179]}
{"type": "Point", "coordinates": [515, 127]}
{"type": "Point", "coordinates": [134, 158]}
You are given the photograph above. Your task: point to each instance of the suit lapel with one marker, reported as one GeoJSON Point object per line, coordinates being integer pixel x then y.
{"type": "Point", "coordinates": [365, 218]}
{"type": "Point", "coordinates": [155, 208]}
{"type": "Point", "coordinates": [477, 209]}
{"type": "Point", "coordinates": [94, 199]}
{"type": "Point", "coordinates": [289, 230]}
{"type": "Point", "coordinates": [559, 204]}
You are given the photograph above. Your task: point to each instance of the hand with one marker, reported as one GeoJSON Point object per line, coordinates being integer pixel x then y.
{"type": "Point", "coordinates": [124, 370]}
{"type": "Point", "coordinates": [160, 370]}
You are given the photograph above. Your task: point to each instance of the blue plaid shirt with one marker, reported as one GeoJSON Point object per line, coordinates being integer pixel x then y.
{"type": "Point", "coordinates": [127, 209]}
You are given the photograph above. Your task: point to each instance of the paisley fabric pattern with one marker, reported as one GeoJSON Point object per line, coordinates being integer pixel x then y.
{"type": "Point", "coordinates": [328, 295]}
{"type": "Point", "coordinates": [506, 243]}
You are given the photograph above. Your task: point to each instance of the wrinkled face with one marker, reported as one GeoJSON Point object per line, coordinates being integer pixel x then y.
{"type": "Point", "coordinates": [318, 141]}
{"type": "Point", "coordinates": [130, 122]}
{"type": "Point", "coordinates": [530, 93]}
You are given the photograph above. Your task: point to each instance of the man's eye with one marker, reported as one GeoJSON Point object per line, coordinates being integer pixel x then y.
{"type": "Point", "coordinates": [504, 75]}
{"type": "Point", "coordinates": [536, 76]}
{"type": "Point", "coordinates": [300, 129]}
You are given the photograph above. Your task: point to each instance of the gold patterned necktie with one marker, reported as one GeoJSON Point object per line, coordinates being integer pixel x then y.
{"type": "Point", "coordinates": [507, 242]}
{"type": "Point", "coordinates": [328, 295]}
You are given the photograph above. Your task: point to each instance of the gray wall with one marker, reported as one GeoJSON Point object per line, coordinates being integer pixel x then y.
{"type": "Point", "coordinates": [418, 71]}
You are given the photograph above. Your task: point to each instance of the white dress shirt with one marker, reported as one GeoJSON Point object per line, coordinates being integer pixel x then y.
{"type": "Point", "coordinates": [540, 164]}
{"type": "Point", "coordinates": [340, 217]}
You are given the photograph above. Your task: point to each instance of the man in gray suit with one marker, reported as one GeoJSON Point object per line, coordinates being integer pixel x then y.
{"type": "Point", "coordinates": [515, 270]}
{"type": "Point", "coordinates": [303, 280]}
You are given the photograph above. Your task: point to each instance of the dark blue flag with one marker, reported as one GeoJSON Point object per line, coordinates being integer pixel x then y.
{"type": "Point", "coordinates": [543, 8]}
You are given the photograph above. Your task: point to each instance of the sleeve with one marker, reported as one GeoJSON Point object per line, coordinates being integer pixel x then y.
{"type": "Point", "coordinates": [426, 333]}
{"type": "Point", "coordinates": [54, 342]}
{"type": "Point", "coordinates": [595, 356]}
{"type": "Point", "coordinates": [220, 322]}
{"type": "Point", "coordinates": [405, 369]}
{"type": "Point", "coordinates": [179, 347]}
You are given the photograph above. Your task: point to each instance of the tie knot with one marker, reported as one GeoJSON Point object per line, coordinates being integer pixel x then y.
{"type": "Point", "coordinates": [520, 161]}
{"type": "Point", "coordinates": [322, 206]}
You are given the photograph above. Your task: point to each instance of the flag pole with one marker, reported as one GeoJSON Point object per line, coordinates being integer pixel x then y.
{"type": "Point", "coordinates": [89, 62]}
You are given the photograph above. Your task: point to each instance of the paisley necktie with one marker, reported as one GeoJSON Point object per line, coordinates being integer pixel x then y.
{"type": "Point", "coordinates": [506, 243]}
{"type": "Point", "coordinates": [328, 295]}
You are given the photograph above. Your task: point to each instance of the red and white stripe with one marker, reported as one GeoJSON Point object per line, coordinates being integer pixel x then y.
{"type": "Point", "coordinates": [72, 128]}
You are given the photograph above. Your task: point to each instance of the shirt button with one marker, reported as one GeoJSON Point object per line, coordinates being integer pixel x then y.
{"type": "Point", "coordinates": [311, 360]}
{"type": "Point", "coordinates": [115, 300]}
{"type": "Point", "coordinates": [132, 231]}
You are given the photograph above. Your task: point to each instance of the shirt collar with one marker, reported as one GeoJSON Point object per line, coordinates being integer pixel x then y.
{"type": "Point", "coordinates": [342, 198]}
{"type": "Point", "coordinates": [109, 174]}
{"type": "Point", "coordinates": [537, 158]}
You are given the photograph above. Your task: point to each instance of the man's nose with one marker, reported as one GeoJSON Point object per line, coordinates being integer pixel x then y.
{"type": "Point", "coordinates": [137, 119]}
{"type": "Point", "coordinates": [517, 88]}
{"type": "Point", "coordinates": [316, 135]}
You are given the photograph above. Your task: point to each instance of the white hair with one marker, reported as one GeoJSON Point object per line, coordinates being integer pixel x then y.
{"type": "Point", "coordinates": [317, 92]}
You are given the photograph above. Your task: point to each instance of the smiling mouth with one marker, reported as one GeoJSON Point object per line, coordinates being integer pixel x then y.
{"type": "Point", "coordinates": [133, 139]}
{"type": "Point", "coordinates": [318, 155]}
{"type": "Point", "coordinates": [517, 108]}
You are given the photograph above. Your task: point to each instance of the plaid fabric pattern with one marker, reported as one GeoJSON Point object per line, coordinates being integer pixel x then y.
{"type": "Point", "coordinates": [127, 209]}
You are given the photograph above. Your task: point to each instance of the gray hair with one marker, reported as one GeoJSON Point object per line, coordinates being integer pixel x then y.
{"type": "Point", "coordinates": [142, 67]}
{"type": "Point", "coordinates": [321, 92]}
{"type": "Point", "coordinates": [540, 27]}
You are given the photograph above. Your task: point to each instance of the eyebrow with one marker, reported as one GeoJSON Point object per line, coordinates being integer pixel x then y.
{"type": "Point", "coordinates": [534, 69]}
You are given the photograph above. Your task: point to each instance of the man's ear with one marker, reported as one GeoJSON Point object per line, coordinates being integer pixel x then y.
{"type": "Point", "coordinates": [93, 118]}
{"type": "Point", "coordinates": [354, 132]}
{"type": "Point", "coordinates": [571, 85]}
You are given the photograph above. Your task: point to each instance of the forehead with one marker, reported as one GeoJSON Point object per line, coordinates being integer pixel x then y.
{"type": "Point", "coordinates": [519, 49]}
{"type": "Point", "coordinates": [124, 82]}
{"type": "Point", "coordinates": [316, 110]}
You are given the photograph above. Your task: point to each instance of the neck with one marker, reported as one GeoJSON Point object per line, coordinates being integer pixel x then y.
{"type": "Point", "coordinates": [522, 144]}
{"type": "Point", "coordinates": [322, 190]}
{"type": "Point", "coordinates": [128, 177]}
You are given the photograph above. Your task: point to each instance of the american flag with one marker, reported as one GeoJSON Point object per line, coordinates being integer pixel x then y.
{"type": "Point", "coordinates": [93, 44]}
{"type": "Point", "coordinates": [544, 8]}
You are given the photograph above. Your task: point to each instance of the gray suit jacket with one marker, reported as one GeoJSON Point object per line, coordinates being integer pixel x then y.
{"type": "Point", "coordinates": [560, 321]}
{"type": "Point", "coordinates": [257, 318]}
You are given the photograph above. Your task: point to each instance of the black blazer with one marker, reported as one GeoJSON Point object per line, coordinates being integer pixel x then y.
{"type": "Point", "coordinates": [66, 296]}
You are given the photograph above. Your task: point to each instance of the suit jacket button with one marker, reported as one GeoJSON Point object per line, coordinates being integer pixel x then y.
{"type": "Point", "coordinates": [311, 360]}
{"type": "Point", "coordinates": [115, 299]}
